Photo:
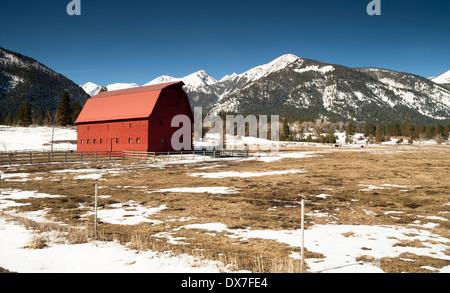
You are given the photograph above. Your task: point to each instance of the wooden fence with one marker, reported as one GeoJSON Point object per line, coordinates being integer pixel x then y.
{"type": "Point", "coordinates": [33, 157]}
{"type": "Point", "coordinates": [40, 157]}
{"type": "Point", "coordinates": [185, 154]}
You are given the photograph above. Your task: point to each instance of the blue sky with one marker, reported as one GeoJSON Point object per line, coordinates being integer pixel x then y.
{"type": "Point", "coordinates": [139, 40]}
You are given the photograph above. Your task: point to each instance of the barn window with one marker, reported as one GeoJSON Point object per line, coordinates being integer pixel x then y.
{"type": "Point", "coordinates": [101, 140]}
{"type": "Point", "coordinates": [138, 140]}
{"type": "Point", "coordinates": [130, 125]}
{"type": "Point", "coordinates": [162, 140]}
{"type": "Point", "coordinates": [82, 141]}
{"type": "Point", "coordinates": [130, 140]}
{"type": "Point", "coordinates": [117, 140]}
{"type": "Point", "coordinates": [95, 141]}
{"type": "Point", "coordinates": [88, 141]}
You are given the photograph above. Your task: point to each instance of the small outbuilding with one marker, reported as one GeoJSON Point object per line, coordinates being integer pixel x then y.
{"type": "Point", "coordinates": [137, 119]}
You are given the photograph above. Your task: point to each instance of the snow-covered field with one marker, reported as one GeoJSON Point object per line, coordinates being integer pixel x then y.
{"type": "Point", "coordinates": [93, 257]}
{"type": "Point", "coordinates": [36, 138]}
{"type": "Point", "coordinates": [347, 244]}
{"type": "Point", "coordinates": [341, 245]}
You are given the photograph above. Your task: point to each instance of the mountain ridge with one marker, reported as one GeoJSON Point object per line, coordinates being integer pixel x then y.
{"type": "Point", "coordinates": [293, 86]}
{"type": "Point", "coordinates": [22, 79]}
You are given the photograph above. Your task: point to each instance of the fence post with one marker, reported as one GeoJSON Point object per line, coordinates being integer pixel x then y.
{"type": "Point", "coordinates": [31, 158]}
{"type": "Point", "coordinates": [95, 223]}
{"type": "Point", "coordinates": [303, 237]}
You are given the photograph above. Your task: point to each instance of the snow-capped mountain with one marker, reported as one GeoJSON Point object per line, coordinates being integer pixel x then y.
{"type": "Point", "coordinates": [196, 80]}
{"type": "Point", "coordinates": [443, 79]}
{"type": "Point", "coordinates": [93, 89]}
{"type": "Point", "coordinates": [193, 81]}
{"type": "Point", "coordinates": [264, 70]}
{"type": "Point", "coordinates": [298, 87]}
{"type": "Point", "coordinates": [121, 86]}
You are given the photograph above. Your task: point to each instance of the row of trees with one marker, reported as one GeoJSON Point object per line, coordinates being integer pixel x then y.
{"type": "Point", "coordinates": [66, 114]}
{"type": "Point", "coordinates": [414, 131]}
{"type": "Point", "coordinates": [324, 132]}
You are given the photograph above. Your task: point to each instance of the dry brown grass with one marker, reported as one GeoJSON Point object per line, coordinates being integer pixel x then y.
{"type": "Point", "coordinates": [270, 202]}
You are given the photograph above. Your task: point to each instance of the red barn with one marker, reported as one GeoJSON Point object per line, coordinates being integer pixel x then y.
{"type": "Point", "coordinates": [137, 119]}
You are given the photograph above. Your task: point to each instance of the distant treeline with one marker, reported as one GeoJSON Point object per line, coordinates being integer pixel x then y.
{"type": "Point", "coordinates": [302, 128]}
{"type": "Point", "coordinates": [66, 114]}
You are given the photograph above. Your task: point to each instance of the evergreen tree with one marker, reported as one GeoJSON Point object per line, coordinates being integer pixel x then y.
{"type": "Point", "coordinates": [286, 131]}
{"type": "Point", "coordinates": [1, 118]}
{"type": "Point", "coordinates": [350, 130]}
{"type": "Point", "coordinates": [64, 111]}
{"type": "Point", "coordinates": [410, 130]}
{"type": "Point", "coordinates": [368, 129]}
{"type": "Point", "coordinates": [76, 109]}
{"type": "Point", "coordinates": [439, 129]}
{"type": "Point", "coordinates": [103, 89]}
{"type": "Point", "coordinates": [330, 138]}
{"type": "Point", "coordinates": [9, 119]}
{"type": "Point", "coordinates": [39, 117]}
{"type": "Point", "coordinates": [379, 134]}
{"type": "Point", "coordinates": [396, 129]}
{"type": "Point", "coordinates": [24, 115]}
{"type": "Point", "coordinates": [447, 131]}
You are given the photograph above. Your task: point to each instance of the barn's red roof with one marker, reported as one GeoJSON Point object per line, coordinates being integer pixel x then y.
{"type": "Point", "coordinates": [134, 103]}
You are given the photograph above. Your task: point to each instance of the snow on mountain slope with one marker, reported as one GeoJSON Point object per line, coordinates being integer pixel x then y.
{"type": "Point", "coordinates": [121, 86]}
{"type": "Point", "coordinates": [443, 78]}
{"type": "Point", "coordinates": [266, 69]}
{"type": "Point", "coordinates": [162, 79]}
{"type": "Point", "coordinates": [8, 58]}
{"type": "Point", "coordinates": [298, 86]}
{"type": "Point", "coordinates": [91, 88]}
{"type": "Point", "coordinates": [192, 81]}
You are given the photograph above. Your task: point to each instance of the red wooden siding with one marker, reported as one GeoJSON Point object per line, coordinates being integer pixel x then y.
{"type": "Point", "coordinates": [113, 136]}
